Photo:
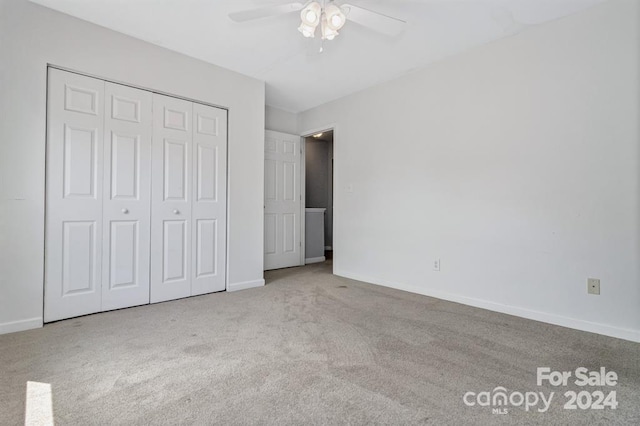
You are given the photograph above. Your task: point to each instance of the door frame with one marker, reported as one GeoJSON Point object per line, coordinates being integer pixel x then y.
{"type": "Point", "coordinates": [155, 91]}
{"type": "Point", "coordinates": [303, 182]}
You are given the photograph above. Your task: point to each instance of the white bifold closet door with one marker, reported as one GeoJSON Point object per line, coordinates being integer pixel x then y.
{"type": "Point", "coordinates": [209, 207]}
{"type": "Point", "coordinates": [98, 201]}
{"type": "Point", "coordinates": [189, 210]}
{"type": "Point", "coordinates": [113, 153]}
{"type": "Point", "coordinates": [127, 197]}
{"type": "Point", "coordinates": [75, 153]}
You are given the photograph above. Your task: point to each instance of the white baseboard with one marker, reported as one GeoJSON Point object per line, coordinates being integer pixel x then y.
{"type": "Point", "coordinates": [21, 325]}
{"type": "Point", "coordinates": [328, 248]}
{"type": "Point", "coordinates": [309, 260]}
{"type": "Point", "coordinates": [582, 325]}
{"type": "Point", "coordinates": [245, 285]}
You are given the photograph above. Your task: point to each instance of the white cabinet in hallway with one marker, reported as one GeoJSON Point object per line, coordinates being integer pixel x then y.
{"type": "Point", "coordinates": [136, 197]}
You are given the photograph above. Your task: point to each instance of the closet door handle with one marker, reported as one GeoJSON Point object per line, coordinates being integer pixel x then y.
{"type": "Point", "coordinates": [176, 211]}
{"type": "Point", "coordinates": [125, 211]}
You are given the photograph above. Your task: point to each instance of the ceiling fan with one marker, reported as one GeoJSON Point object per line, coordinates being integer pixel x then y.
{"type": "Point", "coordinates": [330, 16]}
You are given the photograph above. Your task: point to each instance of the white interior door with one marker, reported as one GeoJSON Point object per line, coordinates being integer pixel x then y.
{"type": "Point", "coordinates": [127, 197]}
{"type": "Point", "coordinates": [171, 198]}
{"type": "Point", "coordinates": [282, 202]}
{"type": "Point", "coordinates": [209, 196]}
{"type": "Point", "coordinates": [73, 249]}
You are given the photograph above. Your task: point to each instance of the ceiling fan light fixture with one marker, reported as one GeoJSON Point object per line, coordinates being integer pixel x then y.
{"type": "Point", "coordinates": [335, 16]}
{"type": "Point", "coordinates": [307, 30]}
{"type": "Point", "coordinates": [328, 33]}
{"type": "Point", "coordinates": [310, 15]}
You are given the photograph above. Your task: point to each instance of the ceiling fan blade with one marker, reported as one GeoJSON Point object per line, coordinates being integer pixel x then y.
{"type": "Point", "coordinates": [265, 12]}
{"type": "Point", "coordinates": [375, 21]}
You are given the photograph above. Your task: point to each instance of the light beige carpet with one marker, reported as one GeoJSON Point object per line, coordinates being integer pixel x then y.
{"type": "Point", "coordinates": [309, 348]}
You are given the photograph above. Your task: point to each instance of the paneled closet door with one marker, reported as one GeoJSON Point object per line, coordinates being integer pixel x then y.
{"type": "Point", "coordinates": [127, 196]}
{"type": "Point", "coordinates": [73, 250]}
{"type": "Point", "coordinates": [172, 177]}
{"type": "Point", "coordinates": [209, 199]}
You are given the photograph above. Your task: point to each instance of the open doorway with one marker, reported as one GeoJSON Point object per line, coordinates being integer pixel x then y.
{"type": "Point", "coordinates": [318, 198]}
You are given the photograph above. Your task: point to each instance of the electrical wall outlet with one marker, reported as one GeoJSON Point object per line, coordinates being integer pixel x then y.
{"type": "Point", "coordinates": [436, 264]}
{"type": "Point", "coordinates": [593, 286]}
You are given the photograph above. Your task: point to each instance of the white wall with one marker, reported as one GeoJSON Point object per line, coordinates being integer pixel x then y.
{"type": "Point", "coordinates": [281, 121]}
{"type": "Point", "coordinates": [516, 164]}
{"type": "Point", "coordinates": [32, 36]}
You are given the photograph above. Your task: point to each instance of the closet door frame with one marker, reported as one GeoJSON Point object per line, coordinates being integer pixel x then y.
{"type": "Point", "coordinates": [157, 92]}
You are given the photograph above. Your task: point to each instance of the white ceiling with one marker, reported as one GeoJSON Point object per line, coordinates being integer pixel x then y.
{"type": "Point", "coordinates": [298, 77]}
